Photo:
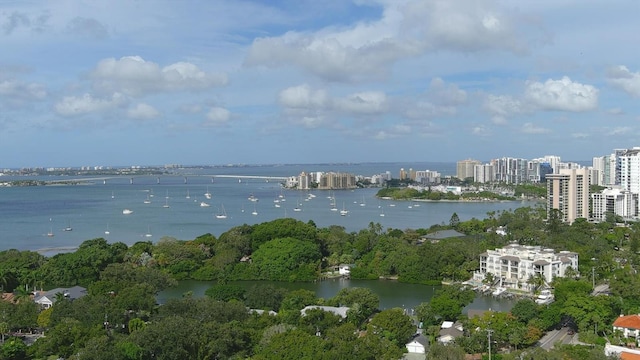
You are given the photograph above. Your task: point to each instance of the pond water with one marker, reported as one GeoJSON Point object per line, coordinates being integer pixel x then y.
{"type": "Point", "coordinates": [392, 293]}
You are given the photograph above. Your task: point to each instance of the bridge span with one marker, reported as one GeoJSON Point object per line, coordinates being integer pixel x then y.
{"type": "Point", "coordinates": [166, 178]}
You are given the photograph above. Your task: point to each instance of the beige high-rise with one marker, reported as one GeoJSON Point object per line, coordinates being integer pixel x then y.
{"type": "Point", "coordinates": [568, 191]}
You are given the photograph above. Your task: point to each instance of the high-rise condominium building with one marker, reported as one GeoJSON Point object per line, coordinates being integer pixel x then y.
{"type": "Point", "coordinates": [464, 168]}
{"type": "Point", "coordinates": [629, 169]}
{"type": "Point", "coordinates": [614, 201]}
{"type": "Point", "coordinates": [568, 192]}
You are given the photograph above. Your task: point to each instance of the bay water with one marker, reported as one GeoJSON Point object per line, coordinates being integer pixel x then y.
{"type": "Point", "coordinates": [170, 205]}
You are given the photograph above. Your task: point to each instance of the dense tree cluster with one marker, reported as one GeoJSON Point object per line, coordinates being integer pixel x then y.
{"type": "Point", "coordinates": [119, 318]}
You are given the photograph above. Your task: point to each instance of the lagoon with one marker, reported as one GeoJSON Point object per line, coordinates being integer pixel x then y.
{"type": "Point", "coordinates": [393, 294]}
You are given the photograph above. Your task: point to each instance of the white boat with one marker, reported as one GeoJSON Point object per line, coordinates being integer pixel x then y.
{"type": "Point", "coordinates": [344, 211]}
{"type": "Point", "coordinates": [127, 212]}
{"type": "Point", "coordinates": [188, 196]}
{"type": "Point", "coordinates": [50, 233]}
{"type": "Point", "coordinates": [498, 291]}
{"type": "Point", "coordinates": [166, 200]}
{"type": "Point", "coordinates": [113, 196]}
{"type": "Point", "coordinates": [381, 211]}
{"type": "Point", "coordinates": [207, 194]}
{"type": "Point", "coordinates": [222, 214]}
{"type": "Point", "coordinates": [252, 198]}
{"type": "Point", "coordinates": [363, 203]}
{"type": "Point", "coordinates": [148, 234]}
{"type": "Point", "coordinates": [297, 209]}
{"type": "Point", "coordinates": [545, 297]}
{"type": "Point", "coordinates": [68, 227]}
{"type": "Point", "coordinates": [204, 204]}
{"type": "Point", "coordinates": [277, 205]}
{"type": "Point", "coordinates": [107, 232]}
{"type": "Point", "coordinates": [147, 200]}
{"type": "Point", "coordinates": [254, 212]}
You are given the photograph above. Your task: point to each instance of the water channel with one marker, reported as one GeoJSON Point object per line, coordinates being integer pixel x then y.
{"type": "Point", "coordinates": [392, 293]}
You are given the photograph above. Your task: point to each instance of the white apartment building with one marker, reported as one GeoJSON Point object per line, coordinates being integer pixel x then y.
{"type": "Point", "coordinates": [427, 177]}
{"type": "Point", "coordinates": [484, 173]}
{"type": "Point", "coordinates": [629, 165]}
{"type": "Point", "coordinates": [513, 265]}
{"type": "Point", "coordinates": [615, 201]}
{"type": "Point", "coordinates": [568, 191]}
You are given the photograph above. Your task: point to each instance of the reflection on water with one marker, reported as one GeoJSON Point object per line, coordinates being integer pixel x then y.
{"type": "Point", "coordinates": [392, 293]}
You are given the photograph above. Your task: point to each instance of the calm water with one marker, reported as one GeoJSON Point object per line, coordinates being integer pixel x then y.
{"type": "Point", "coordinates": [27, 214]}
{"type": "Point", "coordinates": [392, 293]}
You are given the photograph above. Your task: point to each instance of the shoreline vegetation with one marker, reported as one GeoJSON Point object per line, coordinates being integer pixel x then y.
{"type": "Point", "coordinates": [119, 315]}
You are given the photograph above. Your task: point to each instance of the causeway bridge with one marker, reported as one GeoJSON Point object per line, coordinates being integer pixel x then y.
{"type": "Point", "coordinates": [167, 179]}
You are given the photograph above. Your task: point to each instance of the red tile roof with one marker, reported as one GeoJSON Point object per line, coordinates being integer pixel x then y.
{"type": "Point", "coordinates": [629, 356]}
{"type": "Point", "coordinates": [628, 322]}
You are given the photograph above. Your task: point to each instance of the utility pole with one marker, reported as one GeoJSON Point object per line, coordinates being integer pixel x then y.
{"type": "Point", "coordinates": [593, 277]}
{"type": "Point", "coordinates": [489, 332]}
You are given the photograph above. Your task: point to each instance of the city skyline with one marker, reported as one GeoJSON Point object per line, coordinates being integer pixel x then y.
{"type": "Point", "coordinates": [149, 82]}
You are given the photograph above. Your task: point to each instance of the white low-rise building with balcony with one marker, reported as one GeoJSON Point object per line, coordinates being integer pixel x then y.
{"type": "Point", "coordinates": [513, 265]}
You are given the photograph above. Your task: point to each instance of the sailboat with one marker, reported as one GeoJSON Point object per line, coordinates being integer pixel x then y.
{"type": "Point", "coordinates": [107, 232]}
{"type": "Point", "coordinates": [147, 200]}
{"type": "Point", "coordinates": [222, 214]}
{"type": "Point", "coordinates": [344, 211]}
{"type": "Point", "coordinates": [254, 212]}
{"type": "Point", "coordinates": [382, 212]}
{"type": "Point", "coordinates": [298, 207]}
{"type": "Point", "coordinates": [148, 234]}
{"type": "Point", "coordinates": [113, 196]}
{"type": "Point", "coordinates": [207, 194]}
{"type": "Point", "coordinates": [68, 228]}
{"type": "Point", "coordinates": [363, 202]}
{"type": "Point", "coordinates": [333, 204]}
{"type": "Point", "coordinates": [188, 196]}
{"type": "Point", "coordinates": [166, 200]}
{"type": "Point", "coordinates": [50, 233]}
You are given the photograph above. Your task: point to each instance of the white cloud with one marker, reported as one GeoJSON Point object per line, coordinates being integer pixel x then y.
{"type": "Point", "coordinates": [562, 95]}
{"type": "Point", "coordinates": [579, 135]}
{"type": "Point", "coordinates": [19, 90]}
{"type": "Point", "coordinates": [406, 28]}
{"type": "Point", "coordinates": [370, 102]}
{"type": "Point", "coordinates": [619, 130]}
{"type": "Point", "coordinates": [303, 97]}
{"type": "Point", "coordinates": [132, 75]}
{"type": "Point", "coordinates": [480, 130]}
{"type": "Point", "coordinates": [530, 128]}
{"type": "Point", "coordinates": [501, 107]}
{"type": "Point", "coordinates": [87, 27]}
{"type": "Point", "coordinates": [621, 77]}
{"type": "Point", "coordinates": [86, 104]}
{"type": "Point", "coordinates": [143, 111]}
{"type": "Point", "coordinates": [217, 116]}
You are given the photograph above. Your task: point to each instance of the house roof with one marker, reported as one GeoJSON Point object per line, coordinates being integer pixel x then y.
{"type": "Point", "coordinates": [70, 293]}
{"type": "Point", "coordinates": [340, 311]}
{"type": "Point", "coordinates": [443, 234]}
{"type": "Point", "coordinates": [628, 322]}
{"type": "Point", "coordinates": [420, 339]}
{"type": "Point", "coordinates": [629, 356]}
{"type": "Point", "coordinates": [510, 258]}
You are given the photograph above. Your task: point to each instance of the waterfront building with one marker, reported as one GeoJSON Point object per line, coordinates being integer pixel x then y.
{"type": "Point", "coordinates": [537, 171]}
{"type": "Point", "coordinates": [510, 170]}
{"type": "Point", "coordinates": [465, 168]}
{"type": "Point", "coordinates": [304, 181]}
{"type": "Point", "coordinates": [553, 161]}
{"type": "Point", "coordinates": [484, 173]}
{"type": "Point", "coordinates": [427, 177]}
{"type": "Point", "coordinates": [568, 192]}
{"type": "Point", "coordinates": [614, 201]}
{"type": "Point", "coordinates": [513, 265]}
{"type": "Point", "coordinates": [334, 180]}
{"type": "Point", "coordinates": [403, 174]}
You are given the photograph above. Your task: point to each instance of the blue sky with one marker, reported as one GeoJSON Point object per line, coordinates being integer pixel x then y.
{"type": "Point", "coordinates": [150, 82]}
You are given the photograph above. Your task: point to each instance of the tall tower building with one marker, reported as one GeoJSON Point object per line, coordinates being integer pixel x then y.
{"type": "Point", "coordinates": [629, 162]}
{"type": "Point", "coordinates": [464, 168]}
{"type": "Point", "coordinates": [568, 191]}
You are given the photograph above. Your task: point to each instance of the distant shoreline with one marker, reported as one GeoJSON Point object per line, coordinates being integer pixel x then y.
{"type": "Point", "coordinates": [460, 200]}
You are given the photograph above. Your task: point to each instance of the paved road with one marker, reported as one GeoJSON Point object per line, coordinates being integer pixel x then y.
{"type": "Point", "coordinates": [554, 336]}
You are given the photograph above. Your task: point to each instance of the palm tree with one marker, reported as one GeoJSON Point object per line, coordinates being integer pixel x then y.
{"type": "Point", "coordinates": [536, 281]}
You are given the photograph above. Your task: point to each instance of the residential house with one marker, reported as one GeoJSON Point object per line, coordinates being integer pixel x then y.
{"type": "Point", "coordinates": [449, 331]}
{"type": "Point", "coordinates": [418, 345]}
{"type": "Point", "coordinates": [46, 299]}
{"type": "Point", "coordinates": [629, 325]}
{"type": "Point", "coordinates": [340, 311]}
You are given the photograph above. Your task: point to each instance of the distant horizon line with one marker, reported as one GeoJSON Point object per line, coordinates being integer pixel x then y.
{"type": "Point", "coordinates": [177, 166]}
